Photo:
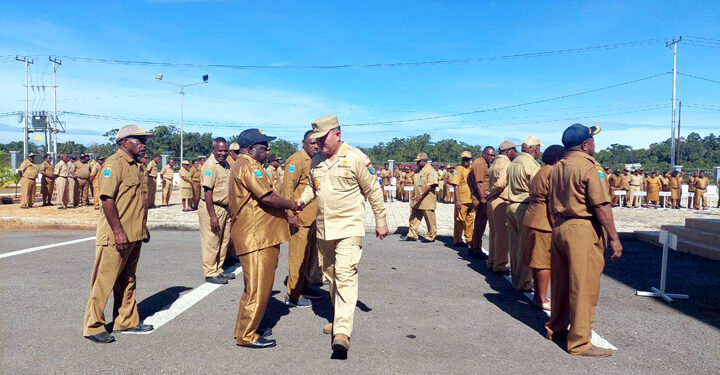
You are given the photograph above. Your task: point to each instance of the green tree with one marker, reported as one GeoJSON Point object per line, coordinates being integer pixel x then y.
{"type": "Point", "coordinates": [283, 148]}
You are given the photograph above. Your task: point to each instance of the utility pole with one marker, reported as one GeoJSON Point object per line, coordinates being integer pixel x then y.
{"type": "Point", "coordinates": [677, 145]}
{"type": "Point", "coordinates": [182, 87]}
{"type": "Point", "coordinates": [54, 130]}
{"type": "Point", "coordinates": [25, 116]}
{"type": "Point", "coordinates": [673, 44]}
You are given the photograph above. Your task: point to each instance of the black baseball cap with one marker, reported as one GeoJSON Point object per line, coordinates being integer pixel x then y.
{"type": "Point", "coordinates": [577, 134]}
{"type": "Point", "coordinates": [251, 137]}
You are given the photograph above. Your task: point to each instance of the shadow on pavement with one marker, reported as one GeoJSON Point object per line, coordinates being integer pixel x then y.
{"type": "Point", "coordinates": [274, 311]}
{"type": "Point", "coordinates": [639, 268]}
{"type": "Point", "coordinates": [160, 301]}
{"type": "Point", "coordinates": [508, 300]}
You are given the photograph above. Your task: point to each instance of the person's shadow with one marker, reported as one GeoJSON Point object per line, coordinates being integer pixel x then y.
{"type": "Point", "coordinates": [157, 302]}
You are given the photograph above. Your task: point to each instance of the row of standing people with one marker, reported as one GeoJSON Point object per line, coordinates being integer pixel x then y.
{"type": "Point", "coordinates": [241, 206]}
{"type": "Point", "coordinates": [546, 222]}
{"type": "Point", "coordinates": [656, 182]}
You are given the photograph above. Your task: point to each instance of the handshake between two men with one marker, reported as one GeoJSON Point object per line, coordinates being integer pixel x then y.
{"type": "Point", "coordinates": [299, 205]}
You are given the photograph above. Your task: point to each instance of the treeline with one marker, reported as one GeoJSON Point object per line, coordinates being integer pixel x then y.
{"type": "Point", "coordinates": [695, 152]}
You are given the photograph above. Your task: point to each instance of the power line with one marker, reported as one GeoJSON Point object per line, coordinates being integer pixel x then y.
{"type": "Point", "coordinates": [512, 105]}
{"type": "Point", "coordinates": [700, 78]}
{"type": "Point", "coordinates": [373, 65]}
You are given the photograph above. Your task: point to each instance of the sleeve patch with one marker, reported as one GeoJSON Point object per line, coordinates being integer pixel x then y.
{"type": "Point", "coordinates": [291, 168]}
{"type": "Point", "coordinates": [257, 173]}
{"type": "Point", "coordinates": [208, 173]}
{"type": "Point", "coordinates": [602, 175]}
{"type": "Point", "coordinates": [106, 172]}
{"type": "Point", "coordinates": [371, 170]}
{"type": "Point", "coordinates": [269, 175]}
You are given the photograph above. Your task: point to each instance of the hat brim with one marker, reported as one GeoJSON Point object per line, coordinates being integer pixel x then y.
{"type": "Point", "coordinates": [320, 134]}
{"type": "Point", "coordinates": [594, 130]}
{"type": "Point", "coordinates": [138, 135]}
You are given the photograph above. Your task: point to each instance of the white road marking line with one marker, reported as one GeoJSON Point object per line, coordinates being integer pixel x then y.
{"type": "Point", "coordinates": [596, 339]}
{"type": "Point", "coordinates": [183, 303]}
{"type": "Point", "coordinates": [30, 250]}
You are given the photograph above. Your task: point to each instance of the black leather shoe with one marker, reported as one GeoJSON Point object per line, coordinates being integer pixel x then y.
{"type": "Point", "coordinates": [101, 338]}
{"type": "Point", "coordinates": [216, 280]}
{"type": "Point", "coordinates": [261, 343]}
{"type": "Point", "coordinates": [264, 332]}
{"type": "Point", "coordinates": [406, 238]}
{"type": "Point", "coordinates": [228, 275]}
{"type": "Point", "coordinates": [425, 240]}
{"type": "Point", "coordinates": [138, 328]}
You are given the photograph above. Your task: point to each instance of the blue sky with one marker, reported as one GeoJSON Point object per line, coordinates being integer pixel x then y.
{"type": "Point", "coordinates": [283, 102]}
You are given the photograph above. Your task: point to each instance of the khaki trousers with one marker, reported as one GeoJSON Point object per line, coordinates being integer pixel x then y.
{"type": "Point", "coordinates": [416, 215]}
{"type": "Point", "coordinates": [214, 246]}
{"type": "Point", "coordinates": [498, 252]}
{"type": "Point", "coordinates": [303, 244]}
{"type": "Point", "coordinates": [700, 198]}
{"type": "Point", "coordinates": [464, 217]}
{"type": "Point", "coordinates": [72, 191]}
{"type": "Point", "coordinates": [340, 260]}
{"type": "Point", "coordinates": [96, 192]}
{"type": "Point", "coordinates": [633, 200]}
{"type": "Point", "coordinates": [27, 192]}
{"type": "Point", "coordinates": [258, 274]}
{"type": "Point", "coordinates": [47, 185]}
{"type": "Point", "coordinates": [577, 264]}
{"type": "Point", "coordinates": [152, 190]}
{"type": "Point", "coordinates": [83, 191]}
{"type": "Point", "coordinates": [62, 191]}
{"type": "Point", "coordinates": [113, 271]}
{"type": "Point", "coordinates": [197, 193]}
{"type": "Point", "coordinates": [481, 220]}
{"type": "Point", "coordinates": [519, 271]}
{"type": "Point", "coordinates": [167, 191]}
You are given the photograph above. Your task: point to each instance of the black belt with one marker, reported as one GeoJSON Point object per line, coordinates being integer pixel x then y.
{"type": "Point", "coordinates": [216, 204]}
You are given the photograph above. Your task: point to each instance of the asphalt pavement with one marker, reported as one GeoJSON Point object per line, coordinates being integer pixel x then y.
{"type": "Point", "coordinates": [423, 308]}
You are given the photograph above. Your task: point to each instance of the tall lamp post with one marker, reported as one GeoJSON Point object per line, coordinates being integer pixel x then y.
{"type": "Point", "coordinates": [182, 87]}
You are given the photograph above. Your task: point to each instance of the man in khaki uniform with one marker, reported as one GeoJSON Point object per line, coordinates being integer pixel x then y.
{"type": "Point", "coordinates": [616, 183]}
{"type": "Point", "coordinates": [497, 208]}
{"type": "Point", "coordinates": [442, 175]}
{"type": "Point", "coordinates": [259, 226]}
{"type": "Point", "coordinates": [636, 184]}
{"type": "Point", "coordinates": [95, 178]}
{"type": "Point", "coordinates": [233, 153]}
{"type": "Point", "coordinates": [152, 173]}
{"type": "Point", "coordinates": [167, 181]}
{"type": "Point", "coordinates": [386, 174]}
{"type": "Point", "coordinates": [583, 221]}
{"type": "Point", "coordinates": [303, 266]}
{"type": "Point", "coordinates": [28, 172]}
{"type": "Point", "coordinates": [72, 182]}
{"type": "Point", "coordinates": [47, 182]}
{"type": "Point", "coordinates": [701, 183]}
{"type": "Point", "coordinates": [121, 231]}
{"type": "Point", "coordinates": [62, 173]}
{"type": "Point", "coordinates": [342, 178]}
{"type": "Point", "coordinates": [691, 189]}
{"type": "Point", "coordinates": [195, 181]}
{"type": "Point", "coordinates": [424, 201]}
{"type": "Point", "coordinates": [397, 173]}
{"type": "Point", "coordinates": [272, 170]}
{"type": "Point", "coordinates": [464, 214]}
{"type": "Point", "coordinates": [82, 173]}
{"type": "Point", "coordinates": [213, 214]}
{"type": "Point", "coordinates": [449, 193]}
{"type": "Point", "coordinates": [519, 175]}
{"type": "Point", "coordinates": [479, 181]}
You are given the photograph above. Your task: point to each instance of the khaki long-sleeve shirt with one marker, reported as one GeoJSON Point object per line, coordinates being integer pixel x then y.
{"type": "Point", "coordinates": [340, 188]}
{"type": "Point", "coordinates": [498, 178]}
{"type": "Point", "coordinates": [297, 175]}
{"type": "Point", "coordinates": [519, 174]}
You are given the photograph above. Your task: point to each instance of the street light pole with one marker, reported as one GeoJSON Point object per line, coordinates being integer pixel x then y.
{"type": "Point", "coordinates": [182, 87]}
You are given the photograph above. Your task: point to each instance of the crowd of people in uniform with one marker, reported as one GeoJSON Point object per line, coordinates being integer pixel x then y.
{"type": "Point", "coordinates": [632, 182]}
{"type": "Point", "coordinates": [549, 221]}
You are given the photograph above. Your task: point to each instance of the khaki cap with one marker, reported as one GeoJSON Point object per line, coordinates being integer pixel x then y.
{"type": "Point", "coordinates": [532, 140]}
{"type": "Point", "coordinates": [323, 125]}
{"type": "Point", "coordinates": [31, 154]}
{"type": "Point", "coordinates": [185, 162]}
{"type": "Point", "coordinates": [234, 146]}
{"type": "Point", "coordinates": [132, 131]}
{"type": "Point", "coordinates": [421, 156]}
{"type": "Point", "coordinates": [466, 154]}
{"type": "Point", "coordinates": [506, 145]}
